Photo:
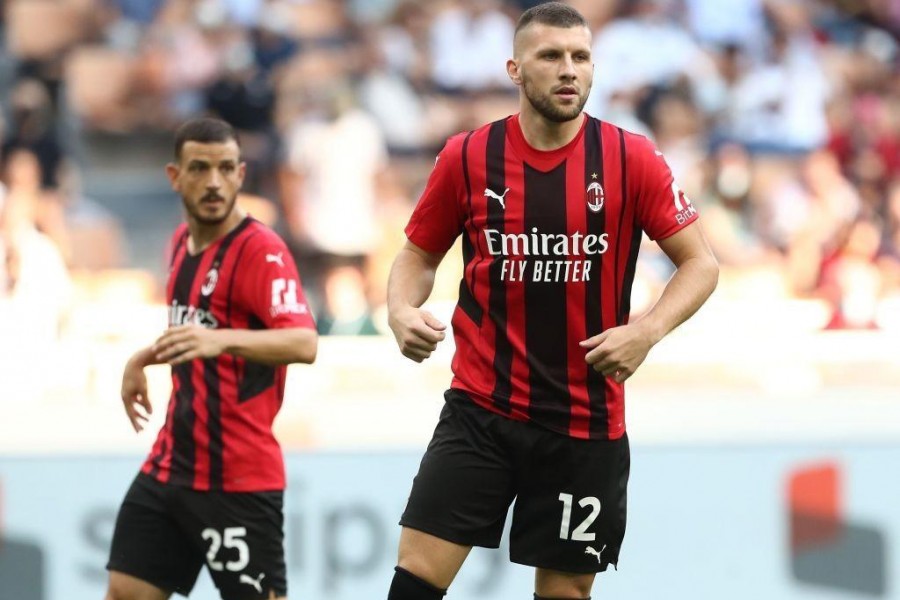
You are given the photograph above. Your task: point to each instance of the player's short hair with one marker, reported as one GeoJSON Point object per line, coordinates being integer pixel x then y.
{"type": "Point", "coordinates": [555, 14]}
{"type": "Point", "coordinates": [205, 130]}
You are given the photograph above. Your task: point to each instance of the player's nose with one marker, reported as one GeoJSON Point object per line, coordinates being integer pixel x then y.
{"type": "Point", "coordinates": [215, 180]}
{"type": "Point", "coordinates": [567, 69]}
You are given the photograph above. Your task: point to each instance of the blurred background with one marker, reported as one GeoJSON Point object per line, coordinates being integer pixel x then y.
{"type": "Point", "coordinates": [766, 431]}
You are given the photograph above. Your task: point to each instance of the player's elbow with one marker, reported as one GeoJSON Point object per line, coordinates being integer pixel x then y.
{"type": "Point", "coordinates": [306, 346]}
{"type": "Point", "coordinates": [707, 269]}
{"type": "Point", "coordinates": [712, 271]}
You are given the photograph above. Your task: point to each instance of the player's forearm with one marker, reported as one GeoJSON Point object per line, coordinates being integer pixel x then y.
{"type": "Point", "coordinates": [271, 346]}
{"type": "Point", "coordinates": [411, 280]}
{"type": "Point", "coordinates": [690, 286]}
{"type": "Point", "coordinates": [144, 358]}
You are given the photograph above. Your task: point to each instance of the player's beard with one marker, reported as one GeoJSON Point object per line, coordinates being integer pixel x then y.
{"type": "Point", "coordinates": [195, 211]}
{"type": "Point", "coordinates": [543, 103]}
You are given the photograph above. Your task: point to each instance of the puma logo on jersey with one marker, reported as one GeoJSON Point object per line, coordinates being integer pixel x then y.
{"type": "Point", "coordinates": [590, 550]}
{"type": "Point", "coordinates": [489, 193]}
{"type": "Point", "coordinates": [275, 258]}
{"type": "Point", "coordinates": [256, 583]}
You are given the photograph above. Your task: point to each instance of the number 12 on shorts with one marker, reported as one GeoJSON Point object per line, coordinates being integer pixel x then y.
{"type": "Point", "coordinates": [580, 534]}
{"type": "Point", "coordinates": [233, 539]}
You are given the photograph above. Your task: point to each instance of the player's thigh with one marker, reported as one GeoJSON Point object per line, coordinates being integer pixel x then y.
{"type": "Point", "coordinates": [570, 511]}
{"type": "Point", "coordinates": [242, 538]}
{"type": "Point", "coordinates": [549, 583]}
{"type": "Point", "coordinates": [431, 558]}
{"type": "Point", "coordinates": [148, 544]}
{"type": "Point", "coordinates": [464, 486]}
{"type": "Point", "coordinates": [126, 587]}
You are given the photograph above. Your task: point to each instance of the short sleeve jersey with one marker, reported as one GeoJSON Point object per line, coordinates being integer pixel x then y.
{"type": "Point", "coordinates": [550, 244]}
{"type": "Point", "coordinates": [218, 429]}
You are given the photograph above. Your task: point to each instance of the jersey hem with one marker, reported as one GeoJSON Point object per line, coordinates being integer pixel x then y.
{"type": "Point", "coordinates": [225, 489]}
{"type": "Point", "coordinates": [488, 404]}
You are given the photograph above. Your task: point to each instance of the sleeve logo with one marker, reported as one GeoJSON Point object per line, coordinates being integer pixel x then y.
{"type": "Point", "coordinates": [683, 205]}
{"type": "Point", "coordinates": [684, 208]}
{"type": "Point", "coordinates": [276, 258]}
{"type": "Point", "coordinates": [284, 298]}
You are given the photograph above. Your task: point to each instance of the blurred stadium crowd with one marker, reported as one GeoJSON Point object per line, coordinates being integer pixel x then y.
{"type": "Point", "coordinates": [780, 118]}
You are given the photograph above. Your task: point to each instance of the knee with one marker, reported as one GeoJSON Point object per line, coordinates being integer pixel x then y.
{"type": "Point", "coordinates": [125, 587]}
{"type": "Point", "coordinates": [408, 586]}
{"type": "Point", "coordinates": [113, 593]}
{"type": "Point", "coordinates": [434, 560]}
{"type": "Point", "coordinates": [123, 593]}
{"type": "Point", "coordinates": [554, 585]}
{"type": "Point", "coordinates": [116, 590]}
{"type": "Point", "coordinates": [424, 569]}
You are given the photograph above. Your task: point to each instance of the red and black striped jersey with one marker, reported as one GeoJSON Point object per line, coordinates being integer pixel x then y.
{"type": "Point", "coordinates": [218, 429]}
{"type": "Point", "coordinates": [550, 245]}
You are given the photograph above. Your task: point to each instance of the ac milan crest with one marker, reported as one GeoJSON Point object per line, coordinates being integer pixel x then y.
{"type": "Point", "coordinates": [595, 197]}
{"type": "Point", "coordinates": [209, 284]}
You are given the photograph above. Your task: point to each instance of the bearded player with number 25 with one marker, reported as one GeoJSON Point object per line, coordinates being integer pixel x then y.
{"type": "Point", "coordinates": [211, 490]}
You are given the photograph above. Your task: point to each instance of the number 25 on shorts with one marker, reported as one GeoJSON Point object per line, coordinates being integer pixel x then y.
{"type": "Point", "coordinates": [233, 538]}
{"type": "Point", "coordinates": [580, 534]}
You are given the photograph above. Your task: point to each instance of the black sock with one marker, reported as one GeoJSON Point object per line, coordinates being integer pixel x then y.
{"type": "Point", "coordinates": [536, 597]}
{"type": "Point", "coordinates": [407, 586]}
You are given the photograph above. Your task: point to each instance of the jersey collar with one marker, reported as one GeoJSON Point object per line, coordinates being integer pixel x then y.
{"type": "Point", "coordinates": [542, 160]}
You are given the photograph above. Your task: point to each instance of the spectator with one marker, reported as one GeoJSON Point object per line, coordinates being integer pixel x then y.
{"type": "Point", "coordinates": [345, 309]}
{"type": "Point", "coordinates": [38, 290]}
{"type": "Point", "coordinates": [32, 127]}
{"type": "Point", "coordinates": [411, 122]}
{"type": "Point", "coordinates": [622, 75]}
{"type": "Point", "coordinates": [470, 43]}
{"type": "Point", "coordinates": [849, 279]}
{"type": "Point", "coordinates": [338, 164]}
{"type": "Point", "coordinates": [95, 235]}
{"type": "Point", "coordinates": [719, 24]}
{"type": "Point", "coordinates": [779, 106]}
{"type": "Point", "coordinates": [733, 220]}
{"type": "Point", "coordinates": [243, 96]}
{"type": "Point", "coordinates": [742, 96]}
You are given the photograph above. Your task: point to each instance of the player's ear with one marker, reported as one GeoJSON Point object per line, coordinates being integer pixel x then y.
{"type": "Point", "coordinates": [172, 171]}
{"type": "Point", "coordinates": [242, 171]}
{"type": "Point", "coordinates": [512, 69]}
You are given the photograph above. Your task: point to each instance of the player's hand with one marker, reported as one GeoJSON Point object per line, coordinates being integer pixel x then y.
{"type": "Point", "coordinates": [134, 396]}
{"type": "Point", "coordinates": [617, 352]}
{"type": "Point", "coordinates": [186, 342]}
{"type": "Point", "coordinates": [417, 332]}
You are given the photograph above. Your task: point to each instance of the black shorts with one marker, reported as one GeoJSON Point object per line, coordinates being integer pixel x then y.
{"type": "Point", "coordinates": [570, 494]}
{"type": "Point", "coordinates": [164, 534]}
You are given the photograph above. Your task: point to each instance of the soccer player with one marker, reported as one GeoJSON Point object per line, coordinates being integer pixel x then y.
{"type": "Point", "coordinates": [551, 205]}
{"type": "Point", "coordinates": [211, 490]}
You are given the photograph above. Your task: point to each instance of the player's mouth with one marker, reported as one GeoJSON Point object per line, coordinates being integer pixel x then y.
{"type": "Point", "coordinates": [566, 92]}
{"type": "Point", "coordinates": [212, 201]}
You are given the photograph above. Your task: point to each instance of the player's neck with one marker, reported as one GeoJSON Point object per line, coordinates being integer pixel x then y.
{"type": "Point", "coordinates": [544, 134]}
{"type": "Point", "coordinates": [203, 236]}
